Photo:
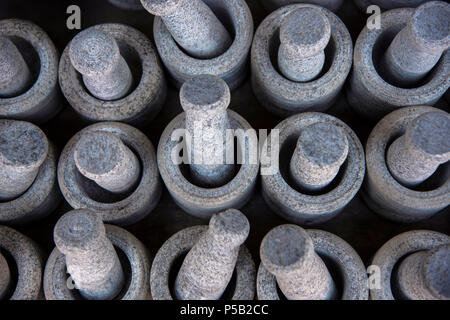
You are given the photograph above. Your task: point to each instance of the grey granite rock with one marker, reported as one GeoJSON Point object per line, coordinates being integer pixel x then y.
{"type": "Point", "coordinates": [211, 188]}
{"type": "Point", "coordinates": [228, 63]}
{"type": "Point", "coordinates": [134, 284]}
{"type": "Point", "coordinates": [418, 249]}
{"type": "Point", "coordinates": [339, 255]}
{"type": "Point", "coordinates": [279, 188]}
{"type": "Point", "coordinates": [272, 5]}
{"type": "Point", "coordinates": [5, 277]}
{"type": "Point", "coordinates": [137, 106]}
{"type": "Point", "coordinates": [384, 190]}
{"type": "Point", "coordinates": [29, 261]}
{"type": "Point", "coordinates": [278, 93]}
{"type": "Point", "coordinates": [28, 188]}
{"type": "Point", "coordinates": [123, 208]}
{"type": "Point", "coordinates": [32, 93]}
{"type": "Point", "coordinates": [371, 92]}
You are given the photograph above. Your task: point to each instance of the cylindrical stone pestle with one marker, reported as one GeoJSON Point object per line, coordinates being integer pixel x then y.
{"type": "Point", "coordinates": [321, 150]}
{"type": "Point", "coordinates": [288, 253]}
{"type": "Point", "coordinates": [209, 265]}
{"type": "Point", "coordinates": [90, 256]}
{"type": "Point", "coordinates": [424, 275]}
{"type": "Point", "coordinates": [416, 155]}
{"type": "Point", "coordinates": [5, 277]}
{"type": "Point", "coordinates": [103, 157]}
{"type": "Point", "coordinates": [418, 47]}
{"type": "Point", "coordinates": [193, 25]}
{"type": "Point", "coordinates": [23, 149]}
{"type": "Point", "coordinates": [15, 75]}
{"type": "Point", "coordinates": [304, 35]}
{"type": "Point", "coordinates": [205, 100]}
{"type": "Point", "coordinates": [96, 55]}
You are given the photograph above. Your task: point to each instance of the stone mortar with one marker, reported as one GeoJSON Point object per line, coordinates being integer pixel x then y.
{"type": "Point", "coordinates": [284, 97]}
{"type": "Point", "coordinates": [400, 247]}
{"type": "Point", "coordinates": [296, 205]}
{"type": "Point", "coordinates": [382, 192]}
{"type": "Point", "coordinates": [41, 101]}
{"type": "Point", "coordinates": [137, 287]}
{"type": "Point", "coordinates": [272, 5]}
{"type": "Point", "coordinates": [181, 243]}
{"type": "Point", "coordinates": [138, 107]}
{"type": "Point", "coordinates": [340, 253]}
{"type": "Point", "coordinates": [40, 193]}
{"type": "Point", "coordinates": [29, 260]}
{"type": "Point", "coordinates": [369, 94]}
{"type": "Point", "coordinates": [231, 65]}
{"type": "Point", "coordinates": [81, 193]}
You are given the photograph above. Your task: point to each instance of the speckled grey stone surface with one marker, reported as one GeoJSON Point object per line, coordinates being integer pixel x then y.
{"type": "Point", "coordinates": [29, 261]}
{"type": "Point", "coordinates": [5, 277]}
{"type": "Point", "coordinates": [137, 280]}
{"type": "Point", "coordinates": [272, 5]}
{"type": "Point", "coordinates": [284, 97]}
{"type": "Point", "coordinates": [404, 245]}
{"type": "Point", "coordinates": [382, 192]}
{"type": "Point", "coordinates": [231, 65]}
{"type": "Point", "coordinates": [299, 206]}
{"type": "Point", "coordinates": [180, 244]}
{"type": "Point", "coordinates": [339, 254]}
{"type": "Point", "coordinates": [121, 209]}
{"type": "Point", "coordinates": [389, 4]}
{"type": "Point", "coordinates": [127, 4]}
{"type": "Point", "coordinates": [369, 93]}
{"type": "Point", "coordinates": [41, 101]}
{"type": "Point", "coordinates": [148, 94]}
{"type": "Point", "coordinates": [28, 189]}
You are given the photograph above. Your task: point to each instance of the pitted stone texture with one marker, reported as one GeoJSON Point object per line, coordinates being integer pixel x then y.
{"type": "Point", "coordinates": [104, 158]}
{"type": "Point", "coordinates": [425, 275]}
{"type": "Point", "coordinates": [15, 75]}
{"type": "Point", "coordinates": [28, 188]}
{"type": "Point", "coordinates": [338, 253]}
{"type": "Point", "coordinates": [127, 4]}
{"type": "Point", "coordinates": [122, 209]}
{"type": "Point", "coordinates": [372, 96]}
{"type": "Point", "coordinates": [5, 277]}
{"type": "Point", "coordinates": [407, 245]}
{"type": "Point", "coordinates": [419, 46]}
{"type": "Point", "coordinates": [389, 4]}
{"type": "Point", "coordinates": [416, 155]}
{"type": "Point", "coordinates": [137, 281]}
{"type": "Point", "coordinates": [193, 25]}
{"type": "Point", "coordinates": [23, 150]}
{"type": "Point", "coordinates": [97, 57]}
{"type": "Point", "coordinates": [178, 245]}
{"type": "Point", "coordinates": [205, 100]}
{"type": "Point", "coordinates": [304, 35]}
{"type": "Point", "coordinates": [142, 103]}
{"type": "Point", "coordinates": [90, 257]}
{"type": "Point", "coordinates": [231, 65]}
{"type": "Point", "coordinates": [320, 152]}
{"type": "Point", "coordinates": [40, 102]}
{"type": "Point", "coordinates": [283, 96]}
{"type": "Point", "coordinates": [293, 203]}
{"type": "Point", "coordinates": [382, 192]}
{"type": "Point", "coordinates": [29, 260]}
{"type": "Point", "coordinates": [332, 5]}
{"type": "Point", "coordinates": [288, 253]}
{"type": "Point", "coordinates": [208, 267]}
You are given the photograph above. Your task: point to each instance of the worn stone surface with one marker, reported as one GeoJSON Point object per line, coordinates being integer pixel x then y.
{"type": "Point", "coordinates": [29, 260]}
{"type": "Point", "coordinates": [230, 65]}
{"type": "Point", "coordinates": [41, 101]}
{"type": "Point", "coordinates": [146, 97]}
{"type": "Point", "coordinates": [416, 155]}
{"type": "Point", "coordinates": [304, 35]}
{"type": "Point", "coordinates": [385, 194]}
{"type": "Point", "coordinates": [5, 277]}
{"type": "Point", "coordinates": [125, 208]}
{"type": "Point", "coordinates": [300, 206]}
{"type": "Point", "coordinates": [272, 5]}
{"type": "Point", "coordinates": [181, 243]}
{"type": "Point", "coordinates": [208, 267]}
{"type": "Point", "coordinates": [407, 245]}
{"type": "Point", "coordinates": [283, 96]}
